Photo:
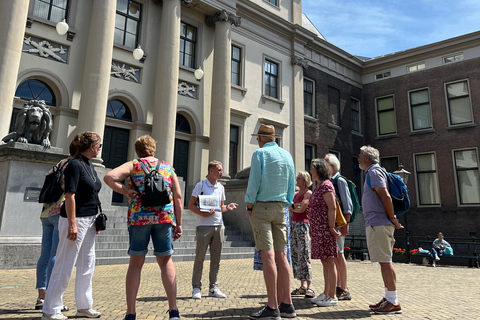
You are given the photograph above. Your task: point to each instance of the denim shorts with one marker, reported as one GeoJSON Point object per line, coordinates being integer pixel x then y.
{"type": "Point", "coordinates": [161, 234]}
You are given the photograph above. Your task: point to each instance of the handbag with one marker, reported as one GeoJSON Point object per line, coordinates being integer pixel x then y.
{"type": "Point", "coordinates": [101, 219]}
{"type": "Point", "coordinates": [448, 251]}
{"type": "Point", "coordinates": [339, 218]}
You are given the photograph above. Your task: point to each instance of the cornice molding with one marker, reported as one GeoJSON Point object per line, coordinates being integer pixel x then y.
{"type": "Point", "coordinates": [299, 61]}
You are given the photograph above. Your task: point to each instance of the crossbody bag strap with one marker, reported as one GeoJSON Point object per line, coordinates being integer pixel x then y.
{"type": "Point", "coordinates": [99, 204]}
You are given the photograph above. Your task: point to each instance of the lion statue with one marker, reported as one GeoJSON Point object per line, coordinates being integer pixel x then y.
{"type": "Point", "coordinates": [33, 124]}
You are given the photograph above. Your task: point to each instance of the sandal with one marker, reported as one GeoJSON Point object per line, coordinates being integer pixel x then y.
{"type": "Point", "coordinates": [299, 291]}
{"type": "Point", "coordinates": [309, 294]}
{"type": "Point", "coordinates": [39, 304]}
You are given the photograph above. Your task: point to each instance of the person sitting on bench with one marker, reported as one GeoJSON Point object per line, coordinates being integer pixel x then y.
{"type": "Point", "coordinates": [438, 246]}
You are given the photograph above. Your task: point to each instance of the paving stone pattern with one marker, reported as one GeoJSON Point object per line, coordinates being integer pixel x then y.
{"type": "Point", "coordinates": [424, 293]}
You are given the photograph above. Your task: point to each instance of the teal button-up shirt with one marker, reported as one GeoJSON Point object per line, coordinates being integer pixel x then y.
{"type": "Point", "coordinates": [272, 175]}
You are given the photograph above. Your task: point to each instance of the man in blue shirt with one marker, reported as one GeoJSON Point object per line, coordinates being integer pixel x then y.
{"type": "Point", "coordinates": [271, 187]}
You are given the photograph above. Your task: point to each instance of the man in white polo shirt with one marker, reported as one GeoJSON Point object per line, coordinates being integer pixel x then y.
{"type": "Point", "coordinates": [210, 230]}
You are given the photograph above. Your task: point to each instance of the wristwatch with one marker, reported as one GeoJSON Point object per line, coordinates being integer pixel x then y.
{"type": "Point", "coordinates": [249, 209]}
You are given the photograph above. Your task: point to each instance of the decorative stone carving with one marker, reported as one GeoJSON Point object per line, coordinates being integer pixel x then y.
{"type": "Point", "coordinates": [33, 125]}
{"type": "Point", "coordinates": [128, 73]}
{"type": "Point", "coordinates": [223, 16]}
{"type": "Point", "coordinates": [186, 89]}
{"type": "Point", "coordinates": [44, 49]}
{"type": "Point", "coordinates": [302, 62]}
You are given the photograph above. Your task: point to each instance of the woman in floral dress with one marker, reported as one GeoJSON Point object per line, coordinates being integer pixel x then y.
{"type": "Point", "coordinates": [321, 213]}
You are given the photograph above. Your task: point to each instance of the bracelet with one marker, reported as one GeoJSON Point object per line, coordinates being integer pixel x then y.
{"type": "Point", "coordinates": [393, 218]}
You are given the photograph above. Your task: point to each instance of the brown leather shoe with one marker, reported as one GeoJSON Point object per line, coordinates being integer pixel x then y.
{"type": "Point", "coordinates": [377, 305]}
{"type": "Point", "coordinates": [388, 308]}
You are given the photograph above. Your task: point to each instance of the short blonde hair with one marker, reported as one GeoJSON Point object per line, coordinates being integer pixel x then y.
{"type": "Point", "coordinates": [214, 164]}
{"type": "Point", "coordinates": [145, 146]}
{"type": "Point", "coordinates": [306, 177]}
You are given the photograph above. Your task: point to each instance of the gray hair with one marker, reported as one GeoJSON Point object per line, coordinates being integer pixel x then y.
{"type": "Point", "coordinates": [333, 160]}
{"type": "Point", "coordinates": [372, 153]}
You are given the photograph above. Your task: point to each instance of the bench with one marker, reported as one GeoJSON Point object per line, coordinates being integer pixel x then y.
{"type": "Point", "coordinates": [357, 245]}
{"type": "Point", "coordinates": [461, 250]}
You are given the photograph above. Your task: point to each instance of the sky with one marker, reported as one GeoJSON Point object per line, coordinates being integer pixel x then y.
{"type": "Point", "coordinates": [373, 28]}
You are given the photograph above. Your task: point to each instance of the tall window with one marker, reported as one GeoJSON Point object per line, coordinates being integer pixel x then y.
{"type": "Point", "coordinates": [386, 116]}
{"type": "Point", "coordinates": [236, 65]}
{"type": "Point", "coordinates": [468, 181]}
{"type": "Point", "coordinates": [357, 177]}
{"type": "Point", "coordinates": [53, 10]}
{"type": "Point", "coordinates": [308, 97]}
{"type": "Point", "coordinates": [127, 23]}
{"type": "Point", "coordinates": [116, 109]}
{"type": "Point", "coordinates": [188, 42]}
{"type": "Point", "coordinates": [274, 2]}
{"type": "Point", "coordinates": [233, 152]}
{"type": "Point", "coordinates": [420, 106]}
{"type": "Point", "coordinates": [427, 179]}
{"type": "Point", "coordinates": [309, 155]}
{"type": "Point", "coordinates": [333, 106]}
{"type": "Point", "coordinates": [459, 108]}
{"type": "Point", "coordinates": [271, 79]}
{"type": "Point", "coordinates": [355, 115]}
{"type": "Point", "coordinates": [389, 163]}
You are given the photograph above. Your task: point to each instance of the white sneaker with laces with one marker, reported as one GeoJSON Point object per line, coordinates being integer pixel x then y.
{"type": "Point", "coordinates": [321, 296]}
{"type": "Point", "coordinates": [196, 294]}
{"type": "Point", "coordinates": [88, 313]}
{"type": "Point", "coordinates": [327, 302]}
{"type": "Point", "coordinates": [56, 316]}
{"type": "Point", "coordinates": [215, 292]}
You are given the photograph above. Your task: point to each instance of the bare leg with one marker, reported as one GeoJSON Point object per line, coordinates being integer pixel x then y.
{"type": "Point", "coordinates": [283, 279]}
{"type": "Point", "coordinates": [270, 276]}
{"type": "Point", "coordinates": [341, 265]}
{"type": "Point", "coordinates": [389, 276]}
{"type": "Point", "coordinates": [132, 281]}
{"type": "Point", "coordinates": [330, 274]}
{"type": "Point", "coordinates": [169, 280]}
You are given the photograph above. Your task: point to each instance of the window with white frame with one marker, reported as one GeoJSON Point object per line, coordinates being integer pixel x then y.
{"type": "Point", "coordinates": [52, 10]}
{"type": "Point", "coordinates": [274, 2]}
{"type": "Point", "coordinates": [236, 65]}
{"type": "Point", "coordinates": [127, 23]}
{"type": "Point", "coordinates": [427, 179]}
{"type": "Point", "coordinates": [355, 115]}
{"type": "Point", "coordinates": [453, 58]}
{"type": "Point", "coordinates": [420, 109]}
{"type": "Point", "coordinates": [383, 75]}
{"type": "Point", "coordinates": [334, 106]}
{"type": "Point", "coordinates": [188, 42]}
{"type": "Point", "coordinates": [416, 67]}
{"type": "Point", "coordinates": [271, 79]}
{"type": "Point", "coordinates": [459, 107]}
{"type": "Point", "coordinates": [468, 180]}
{"type": "Point", "coordinates": [386, 116]}
{"type": "Point", "coordinates": [308, 101]}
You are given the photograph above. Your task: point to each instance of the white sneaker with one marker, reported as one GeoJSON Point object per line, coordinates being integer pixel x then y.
{"type": "Point", "coordinates": [56, 316]}
{"type": "Point", "coordinates": [88, 313]}
{"type": "Point", "coordinates": [215, 292]}
{"type": "Point", "coordinates": [196, 294]}
{"type": "Point", "coordinates": [321, 296]}
{"type": "Point", "coordinates": [327, 302]}
{"type": "Point", "coordinates": [437, 258]}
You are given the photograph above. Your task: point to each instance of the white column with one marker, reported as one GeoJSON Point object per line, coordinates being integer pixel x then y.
{"type": "Point", "coordinates": [98, 61]}
{"type": "Point", "coordinates": [13, 18]}
{"type": "Point", "coordinates": [166, 85]}
{"type": "Point", "coordinates": [298, 123]}
{"type": "Point", "coordinates": [221, 88]}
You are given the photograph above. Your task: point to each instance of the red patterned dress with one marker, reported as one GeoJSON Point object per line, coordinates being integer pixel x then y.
{"type": "Point", "coordinates": [324, 245]}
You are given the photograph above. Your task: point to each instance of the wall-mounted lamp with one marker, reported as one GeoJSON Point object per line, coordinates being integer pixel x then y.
{"type": "Point", "coordinates": [138, 53]}
{"type": "Point", "coordinates": [62, 27]}
{"type": "Point", "coordinates": [198, 73]}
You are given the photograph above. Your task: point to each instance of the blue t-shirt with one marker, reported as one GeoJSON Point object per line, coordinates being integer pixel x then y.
{"type": "Point", "coordinates": [373, 209]}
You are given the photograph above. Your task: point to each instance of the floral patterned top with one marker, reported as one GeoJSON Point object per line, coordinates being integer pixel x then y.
{"type": "Point", "coordinates": [51, 209]}
{"type": "Point", "coordinates": [139, 215]}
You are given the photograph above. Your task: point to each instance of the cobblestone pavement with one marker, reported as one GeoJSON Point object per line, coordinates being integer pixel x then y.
{"type": "Point", "coordinates": [424, 293]}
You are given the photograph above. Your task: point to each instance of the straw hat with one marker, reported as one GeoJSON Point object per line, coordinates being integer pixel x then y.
{"type": "Point", "coordinates": [266, 130]}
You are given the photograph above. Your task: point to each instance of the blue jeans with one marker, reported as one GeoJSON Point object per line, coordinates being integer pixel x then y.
{"type": "Point", "coordinates": [49, 250]}
{"type": "Point", "coordinates": [434, 253]}
{"type": "Point", "coordinates": [161, 234]}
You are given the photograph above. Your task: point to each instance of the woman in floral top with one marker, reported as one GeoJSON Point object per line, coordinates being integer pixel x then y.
{"type": "Point", "coordinates": [161, 223]}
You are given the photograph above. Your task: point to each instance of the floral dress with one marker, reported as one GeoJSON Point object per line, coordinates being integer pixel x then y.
{"type": "Point", "coordinates": [324, 245]}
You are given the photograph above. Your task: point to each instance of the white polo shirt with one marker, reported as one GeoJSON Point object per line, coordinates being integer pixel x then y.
{"type": "Point", "coordinates": [208, 189]}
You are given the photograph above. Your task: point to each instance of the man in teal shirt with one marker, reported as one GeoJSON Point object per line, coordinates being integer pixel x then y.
{"type": "Point", "coordinates": [271, 187]}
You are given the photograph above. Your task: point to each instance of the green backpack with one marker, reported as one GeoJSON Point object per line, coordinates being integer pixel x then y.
{"type": "Point", "coordinates": [353, 194]}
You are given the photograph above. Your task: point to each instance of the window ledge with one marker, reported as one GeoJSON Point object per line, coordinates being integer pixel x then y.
{"type": "Point", "coordinates": [413, 133]}
{"type": "Point", "coordinates": [243, 90]}
{"type": "Point", "coordinates": [388, 136]}
{"type": "Point", "coordinates": [356, 133]}
{"type": "Point", "coordinates": [462, 126]}
{"type": "Point", "coordinates": [280, 102]}
{"type": "Point", "coordinates": [70, 33]}
{"type": "Point", "coordinates": [130, 50]}
{"type": "Point", "coordinates": [334, 127]}
{"type": "Point", "coordinates": [310, 118]}
{"type": "Point", "coordinates": [271, 4]}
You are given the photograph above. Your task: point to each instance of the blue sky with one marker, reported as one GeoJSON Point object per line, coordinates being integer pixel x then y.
{"type": "Point", "coordinates": [372, 28]}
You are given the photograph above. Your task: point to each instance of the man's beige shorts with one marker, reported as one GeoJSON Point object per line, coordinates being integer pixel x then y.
{"type": "Point", "coordinates": [269, 226]}
{"type": "Point", "coordinates": [380, 242]}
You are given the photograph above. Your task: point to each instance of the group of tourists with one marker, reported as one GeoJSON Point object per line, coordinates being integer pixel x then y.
{"type": "Point", "coordinates": [70, 222]}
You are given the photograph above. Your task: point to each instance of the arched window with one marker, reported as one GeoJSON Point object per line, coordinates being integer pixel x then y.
{"type": "Point", "coordinates": [116, 109]}
{"type": "Point", "coordinates": [36, 90]}
{"type": "Point", "coordinates": [182, 124]}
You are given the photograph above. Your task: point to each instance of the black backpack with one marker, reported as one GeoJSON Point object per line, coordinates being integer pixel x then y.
{"type": "Point", "coordinates": [156, 193]}
{"type": "Point", "coordinates": [52, 186]}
